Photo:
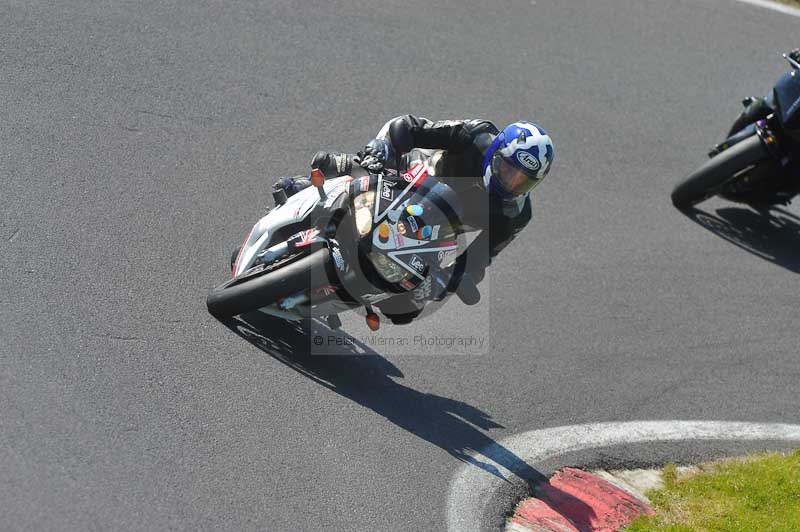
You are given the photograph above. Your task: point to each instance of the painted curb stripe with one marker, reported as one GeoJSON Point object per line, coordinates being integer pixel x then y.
{"type": "Point", "coordinates": [536, 515]}
{"type": "Point", "coordinates": [472, 488]}
{"type": "Point", "coordinates": [590, 502]}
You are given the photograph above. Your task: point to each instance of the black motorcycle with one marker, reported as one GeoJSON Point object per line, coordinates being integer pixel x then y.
{"type": "Point", "coordinates": [759, 162]}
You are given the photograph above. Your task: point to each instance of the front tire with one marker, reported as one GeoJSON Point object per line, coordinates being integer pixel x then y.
{"type": "Point", "coordinates": [239, 296]}
{"type": "Point", "coordinates": [710, 179]}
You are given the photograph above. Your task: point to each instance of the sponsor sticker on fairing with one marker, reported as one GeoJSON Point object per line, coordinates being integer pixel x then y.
{"type": "Point", "coordinates": [413, 223]}
{"type": "Point", "coordinates": [416, 173]}
{"type": "Point", "coordinates": [417, 263]}
{"type": "Point", "coordinates": [386, 191]}
{"type": "Point", "coordinates": [363, 184]}
{"type": "Point", "coordinates": [338, 259]}
{"type": "Point", "coordinates": [306, 237]}
{"type": "Point", "coordinates": [423, 291]}
{"type": "Point", "coordinates": [408, 285]}
{"type": "Point", "coordinates": [446, 255]}
{"type": "Point", "coordinates": [435, 232]}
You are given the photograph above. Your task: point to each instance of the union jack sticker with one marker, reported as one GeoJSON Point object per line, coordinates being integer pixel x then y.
{"type": "Point", "coordinates": [306, 237]}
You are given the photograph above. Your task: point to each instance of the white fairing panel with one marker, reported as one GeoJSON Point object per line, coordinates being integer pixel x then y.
{"type": "Point", "coordinates": [294, 210]}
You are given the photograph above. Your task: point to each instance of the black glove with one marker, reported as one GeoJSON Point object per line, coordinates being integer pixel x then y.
{"type": "Point", "coordinates": [332, 164]}
{"type": "Point", "coordinates": [373, 156]}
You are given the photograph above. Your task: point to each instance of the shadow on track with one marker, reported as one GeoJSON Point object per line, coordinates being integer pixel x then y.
{"type": "Point", "coordinates": [356, 371]}
{"type": "Point", "coordinates": [771, 233]}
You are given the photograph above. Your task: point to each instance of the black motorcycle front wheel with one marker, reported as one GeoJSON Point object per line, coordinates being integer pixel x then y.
{"type": "Point", "coordinates": [264, 288]}
{"type": "Point", "coordinates": [711, 178]}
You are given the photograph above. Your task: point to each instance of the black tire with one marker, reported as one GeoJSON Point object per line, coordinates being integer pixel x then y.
{"type": "Point", "coordinates": [710, 178]}
{"type": "Point", "coordinates": [246, 295]}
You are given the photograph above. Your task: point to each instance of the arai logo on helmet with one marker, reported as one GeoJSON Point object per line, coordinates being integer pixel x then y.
{"type": "Point", "coordinates": [528, 161]}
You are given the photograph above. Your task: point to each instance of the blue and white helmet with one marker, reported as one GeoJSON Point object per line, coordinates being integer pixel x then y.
{"type": "Point", "coordinates": [517, 160]}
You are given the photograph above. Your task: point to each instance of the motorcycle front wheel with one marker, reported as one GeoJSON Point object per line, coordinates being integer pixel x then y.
{"type": "Point", "coordinates": [242, 295]}
{"type": "Point", "coordinates": [711, 178]}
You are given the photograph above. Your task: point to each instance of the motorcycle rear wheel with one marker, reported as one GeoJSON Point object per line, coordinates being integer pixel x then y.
{"type": "Point", "coordinates": [239, 296]}
{"type": "Point", "coordinates": [711, 178]}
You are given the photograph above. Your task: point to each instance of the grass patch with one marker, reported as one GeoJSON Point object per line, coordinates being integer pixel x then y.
{"type": "Point", "coordinates": [757, 493]}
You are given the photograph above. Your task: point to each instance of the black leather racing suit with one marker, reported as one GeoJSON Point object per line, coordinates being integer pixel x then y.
{"type": "Point", "coordinates": [454, 150]}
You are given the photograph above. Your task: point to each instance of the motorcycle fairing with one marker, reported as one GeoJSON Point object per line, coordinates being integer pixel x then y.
{"type": "Point", "coordinates": [389, 196]}
{"type": "Point", "coordinates": [406, 258]}
{"type": "Point", "coordinates": [294, 210]}
{"type": "Point", "coordinates": [787, 99]}
{"type": "Point", "coordinates": [407, 248]}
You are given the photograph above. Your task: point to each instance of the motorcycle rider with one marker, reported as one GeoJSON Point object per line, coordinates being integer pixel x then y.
{"type": "Point", "coordinates": [492, 171]}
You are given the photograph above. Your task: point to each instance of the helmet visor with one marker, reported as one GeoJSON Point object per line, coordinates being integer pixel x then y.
{"type": "Point", "coordinates": [513, 179]}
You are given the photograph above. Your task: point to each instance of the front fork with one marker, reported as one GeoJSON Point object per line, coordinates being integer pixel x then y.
{"type": "Point", "coordinates": [764, 128]}
{"type": "Point", "coordinates": [308, 241]}
{"type": "Point", "coordinates": [768, 182]}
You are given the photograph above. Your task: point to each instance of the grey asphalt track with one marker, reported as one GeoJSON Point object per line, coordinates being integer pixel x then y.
{"type": "Point", "coordinates": [137, 145]}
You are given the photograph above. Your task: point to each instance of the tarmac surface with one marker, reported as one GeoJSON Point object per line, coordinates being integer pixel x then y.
{"type": "Point", "coordinates": [138, 145]}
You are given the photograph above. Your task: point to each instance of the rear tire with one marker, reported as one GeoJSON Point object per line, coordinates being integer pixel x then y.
{"type": "Point", "coordinates": [240, 296]}
{"type": "Point", "coordinates": [710, 178]}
